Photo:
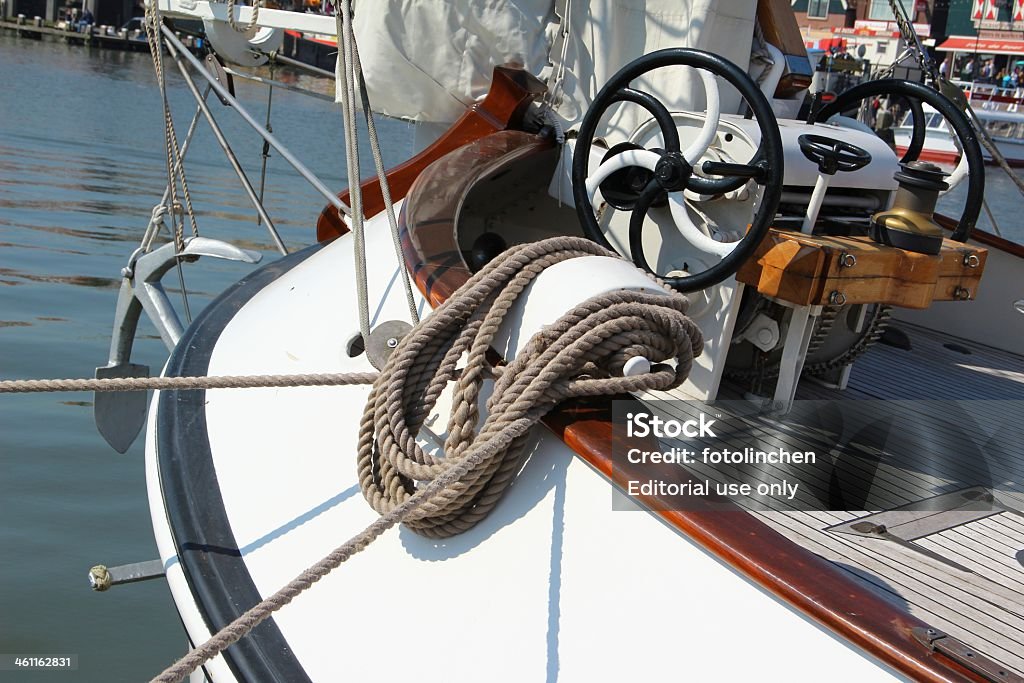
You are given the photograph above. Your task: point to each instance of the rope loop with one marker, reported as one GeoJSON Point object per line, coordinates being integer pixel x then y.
{"type": "Point", "coordinates": [253, 20]}
{"type": "Point", "coordinates": [581, 354]}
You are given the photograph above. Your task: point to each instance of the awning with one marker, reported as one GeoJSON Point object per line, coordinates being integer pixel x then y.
{"type": "Point", "coordinates": [985, 46]}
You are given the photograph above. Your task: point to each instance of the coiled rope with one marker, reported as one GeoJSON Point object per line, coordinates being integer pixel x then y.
{"type": "Point", "coordinates": [582, 354]}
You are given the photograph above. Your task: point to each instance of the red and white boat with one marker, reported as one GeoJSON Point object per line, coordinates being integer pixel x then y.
{"type": "Point", "coordinates": [1005, 126]}
{"type": "Point", "coordinates": [998, 108]}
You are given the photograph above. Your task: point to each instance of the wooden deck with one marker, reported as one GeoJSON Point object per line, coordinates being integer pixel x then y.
{"type": "Point", "coordinates": [965, 573]}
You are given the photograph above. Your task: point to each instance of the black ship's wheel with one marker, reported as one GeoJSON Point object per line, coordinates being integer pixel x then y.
{"type": "Point", "coordinates": [957, 120]}
{"type": "Point", "coordinates": [661, 174]}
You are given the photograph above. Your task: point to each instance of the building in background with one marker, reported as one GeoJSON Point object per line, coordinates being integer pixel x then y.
{"type": "Point", "coordinates": [985, 33]}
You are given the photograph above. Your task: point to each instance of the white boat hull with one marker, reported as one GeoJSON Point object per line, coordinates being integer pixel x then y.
{"type": "Point", "coordinates": [554, 584]}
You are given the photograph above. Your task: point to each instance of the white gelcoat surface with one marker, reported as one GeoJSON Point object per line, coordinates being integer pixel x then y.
{"type": "Point", "coordinates": [553, 585]}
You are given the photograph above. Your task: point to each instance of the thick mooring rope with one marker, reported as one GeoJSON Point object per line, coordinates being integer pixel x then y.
{"type": "Point", "coordinates": [582, 354]}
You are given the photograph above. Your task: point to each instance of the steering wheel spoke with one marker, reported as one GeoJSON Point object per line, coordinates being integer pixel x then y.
{"type": "Point", "coordinates": [672, 169]}
{"type": "Point", "coordinates": [758, 172]}
{"type": "Point", "coordinates": [644, 158]}
{"type": "Point", "coordinates": [693, 234]}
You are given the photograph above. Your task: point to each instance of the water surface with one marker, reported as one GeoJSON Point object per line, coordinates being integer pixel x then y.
{"type": "Point", "coordinates": [81, 167]}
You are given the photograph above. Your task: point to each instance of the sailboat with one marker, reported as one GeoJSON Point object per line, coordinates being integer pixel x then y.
{"type": "Point", "coordinates": [802, 298]}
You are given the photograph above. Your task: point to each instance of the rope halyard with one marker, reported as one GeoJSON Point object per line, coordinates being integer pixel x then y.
{"type": "Point", "coordinates": [175, 167]}
{"type": "Point", "coordinates": [582, 354]}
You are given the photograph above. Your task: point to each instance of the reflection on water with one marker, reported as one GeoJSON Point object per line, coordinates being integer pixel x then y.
{"type": "Point", "coordinates": [81, 167]}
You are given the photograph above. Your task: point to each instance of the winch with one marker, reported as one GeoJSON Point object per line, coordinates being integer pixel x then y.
{"type": "Point", "coordinates": [910, 223]}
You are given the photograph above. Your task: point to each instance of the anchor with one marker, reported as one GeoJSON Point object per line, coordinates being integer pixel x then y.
{"type": "Point", "coordinates": [120, 415]}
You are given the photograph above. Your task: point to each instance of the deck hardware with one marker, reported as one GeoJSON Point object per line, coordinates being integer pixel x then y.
{"type": "Point", "coordinates": [215, 67]}
{"type": "Point", "coordinates": [831, 156]}
{"type": "Point", "coordinates": [355, 345]}
{"type": "Point", "coordinates": [837, 298]}
{"type": "Point", "coordinates": [1018, 305]}
{"type": "Point", "coordinates": [636, 366]}
{"type": "Point", "coordinates": [961, 653]}
{"type": "Point", "coordinates": [908, 523]}
{"type": "Point", "coordinates": [961, 293]}
{"type": "Point", "coordinates": [120, 415]}
{"type": "Point", "coordinates": [101, 577]}
{"type": "Point", "coordinates": [910, 224]}
{"type": "Point", "coordinates": [847, 260]}
{"type": "Point", "coordinates": [971, 260]}
{"type": "Point", "coordinates": [383, 340]}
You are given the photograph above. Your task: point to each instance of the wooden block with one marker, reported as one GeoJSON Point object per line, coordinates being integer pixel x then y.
{"type": "Point", "coordinates": [959, 273]}
{"type": "Point", "coordinates": [778, 23]}
{"type": "Point", "coordinates": [779, 26]}
{"type": "Point", "coordinates": [822, 270]}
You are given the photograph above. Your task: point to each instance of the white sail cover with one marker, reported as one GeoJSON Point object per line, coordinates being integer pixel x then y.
{"type": "Point", "coordinates": [427, 60]}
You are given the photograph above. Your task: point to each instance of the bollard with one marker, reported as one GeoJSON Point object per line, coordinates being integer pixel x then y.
{"type": "Point", "coordinates": [21, 20]}
{"type": "Point", "coordinates": [38, 21]}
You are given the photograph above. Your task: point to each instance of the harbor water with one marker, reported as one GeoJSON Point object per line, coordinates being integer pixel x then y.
{"type": "Point", "coordinates": [81, 166]}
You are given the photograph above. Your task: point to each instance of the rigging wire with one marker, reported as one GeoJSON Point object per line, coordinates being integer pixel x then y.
{"type": "Point", "coordinates": [350, 76]}
{"type": "Point", "coordinates": [343, 19]}
{"type": "Point", "coordinates": [175, 167]}
{"type": "Point", "coordinates": [927, 65]}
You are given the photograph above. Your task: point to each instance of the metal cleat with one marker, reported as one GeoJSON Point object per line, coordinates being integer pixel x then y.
{"type": "Point", "coordinates": [120, 415]}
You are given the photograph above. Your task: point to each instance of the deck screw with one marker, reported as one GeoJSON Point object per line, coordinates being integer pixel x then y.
{"type": "Point", "coordinates": [392, 342]}
{"type": "Point", "coordinates": [847, 260]}
{"type": "Point", "coordinates": [971, 260]}
{"type": "Point", "coordinates": [961, 293]}
{"type": "Point", "coordinates": [837, 298]}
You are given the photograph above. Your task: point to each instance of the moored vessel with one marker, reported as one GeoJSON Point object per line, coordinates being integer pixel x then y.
{"type": "Point", "coordinates": [629, 181]}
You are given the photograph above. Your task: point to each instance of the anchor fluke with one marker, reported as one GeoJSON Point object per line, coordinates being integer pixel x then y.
{"type": "Point", "coordinates": [120, 415]}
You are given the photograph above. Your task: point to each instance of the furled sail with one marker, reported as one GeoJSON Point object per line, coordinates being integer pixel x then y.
{"type": "Point", "coordinates": [427, 60]}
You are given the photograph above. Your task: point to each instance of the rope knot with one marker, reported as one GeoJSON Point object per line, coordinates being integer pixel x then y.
{"type": "Point", "coordinates": [581, 354]}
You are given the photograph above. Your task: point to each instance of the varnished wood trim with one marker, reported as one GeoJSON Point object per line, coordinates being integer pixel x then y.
{"type": "Point", "coordinates": [512, 91]}
{"type": "Point", "coordinates": [809, 583]}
